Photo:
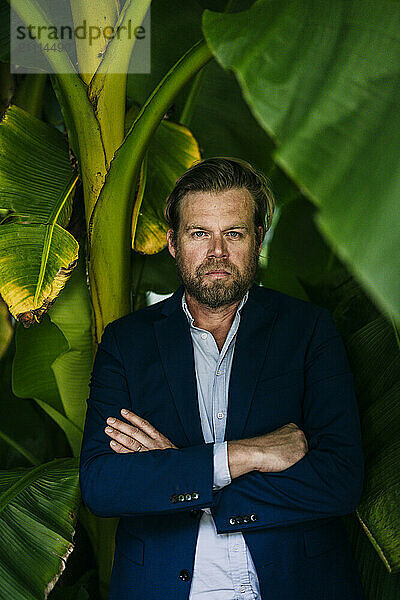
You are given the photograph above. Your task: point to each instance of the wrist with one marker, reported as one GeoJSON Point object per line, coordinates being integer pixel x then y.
{"type": "Point", "coordinates": [242, 457]}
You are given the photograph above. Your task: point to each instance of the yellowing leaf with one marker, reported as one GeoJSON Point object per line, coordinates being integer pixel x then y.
{"type": "Point", "coordinates": [37, 182]}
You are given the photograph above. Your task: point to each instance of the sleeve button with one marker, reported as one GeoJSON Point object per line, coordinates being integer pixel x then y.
{"type": "Point", "coordinates": [246, 519]}
{"type": "Point", "coordinates": [181, 497]}
{"type": "Point", "coordinates": [232, 520]}
{"type": "Point", "coordinates": [253, 517]}
{"type": "Point", "coordinates": [188, 496]}
{"type": "Point", "coordinates": [195, 495]}
{"type": "Point", "coordinates": [174, 498]}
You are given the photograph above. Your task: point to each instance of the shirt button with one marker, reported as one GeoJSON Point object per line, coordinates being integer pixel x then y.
{"type": "Point", "coordinates": [235, 548]}
{"type": "Point", "coordinates": [220, 415]}
{"type": "Point", "coordinates": [219, 372]}
{"type": "Point", "coordinates": [204, 336]}
{"type": "Point", "coordinates": [242, 589]}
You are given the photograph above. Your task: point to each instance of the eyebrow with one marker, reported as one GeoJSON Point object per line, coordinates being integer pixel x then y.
{"type": "Point", "coordinates": [189, 227]}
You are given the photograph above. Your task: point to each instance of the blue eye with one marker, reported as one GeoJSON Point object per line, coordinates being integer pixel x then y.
{"type": "Point", "coordinates": [235, 234]}
{"type": "Point", "coordinates": [196, 232]}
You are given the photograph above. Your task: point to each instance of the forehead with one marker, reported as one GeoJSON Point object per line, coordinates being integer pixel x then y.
{"type": "Point", "coordinates": [217, 205]}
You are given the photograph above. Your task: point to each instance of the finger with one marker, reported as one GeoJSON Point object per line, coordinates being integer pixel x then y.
{"type": "Point", "coordinates": [122, 450]}
{"type": "Point", "coordinates": [155, 439]}
{"type": "Point", "coordinates": [131, 443]}
{"type": "Point", "coordinates": [119, 448]}
{"type": "Point", "coordinates": [143, 425]}
{"type": "Point", "coordinates": [130, 430]}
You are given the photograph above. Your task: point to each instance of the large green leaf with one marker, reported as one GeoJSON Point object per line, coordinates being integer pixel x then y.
{"type": "Point", "coordinates": [376, 358]}
{"type": "Point", "coordinates": [36, 186]}
{"type": "Point", "coordinates": [37, 348]}
{"type": "Point", "coordinates": [378, 584]}
{"type": "Point", "coordinates": [38, 511]}
{"type": "Point", "coordinates": [322, 78]}
{"type": "Point", "coordinates": [27, 434]}
{"type": "Point", "coordinates": [72, 313]}
{"type": "Point", "coordinates": [172, 150]}
{"type": "Point", "coordinates": [373, 347]}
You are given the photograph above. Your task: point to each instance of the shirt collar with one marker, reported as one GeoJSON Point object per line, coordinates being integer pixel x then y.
{"type": "Point", "coordinates": [191, 319]}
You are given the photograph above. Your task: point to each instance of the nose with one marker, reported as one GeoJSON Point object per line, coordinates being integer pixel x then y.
{"type": "Point", "coordinates": [217, 247]}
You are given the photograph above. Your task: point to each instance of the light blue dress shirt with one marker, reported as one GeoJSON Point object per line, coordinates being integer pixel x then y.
{"type": "Point", "coordinates": [223, 566]}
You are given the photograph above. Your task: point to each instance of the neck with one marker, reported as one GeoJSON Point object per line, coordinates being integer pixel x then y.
{"type": "Point", "coordinates": [211, 319]}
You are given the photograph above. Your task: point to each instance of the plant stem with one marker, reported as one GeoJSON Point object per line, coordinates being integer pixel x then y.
{"type": "Point", "coordinates": [109, 230]}
{"type": "Point", "coordinates": [162, 97]}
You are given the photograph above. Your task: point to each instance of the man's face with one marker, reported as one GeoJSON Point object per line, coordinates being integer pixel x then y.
{"type": "Point", "coordinates": [216, 251]}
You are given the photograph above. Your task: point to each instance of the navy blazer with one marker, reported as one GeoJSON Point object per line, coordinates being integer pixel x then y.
{"type": "Point", "coordinates": [289, 365]}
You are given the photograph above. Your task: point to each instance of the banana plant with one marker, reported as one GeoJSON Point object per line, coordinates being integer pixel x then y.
{"type": "Point", "coordinates": [87, 160]}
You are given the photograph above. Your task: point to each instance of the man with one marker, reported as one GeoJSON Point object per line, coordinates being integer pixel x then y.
{"type": "Point", "coordinates": [222, 424]}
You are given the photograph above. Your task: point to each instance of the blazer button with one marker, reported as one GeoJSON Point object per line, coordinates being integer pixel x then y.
{"type": "Point", "coordinates": [184, 575]}
{"type": "Point", "coordinates": [253, 517]}
{"type": "Point", "coordinates": [188, 496]}
{"type": "Point", "coordinates": [181, 497]}
{"type": "Point", "coordinates": [174, 498]}
{"type": "Point", "coordinates": [232, 520]}
{"type": "Point", "coordinates": [195, 495]}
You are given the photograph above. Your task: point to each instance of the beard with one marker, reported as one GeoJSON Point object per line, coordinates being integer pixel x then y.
{"type": "Point", "coordinates": [215, 293]}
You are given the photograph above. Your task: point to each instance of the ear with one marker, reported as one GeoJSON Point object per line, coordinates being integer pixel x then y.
{"type": "Point", "coordinates": [171, 247]}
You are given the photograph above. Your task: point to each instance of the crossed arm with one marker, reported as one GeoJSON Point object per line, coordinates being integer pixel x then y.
{"type": "Point", "coordinates": [272, 452]}
{"type": "Point", "coordinates": [276, 475]}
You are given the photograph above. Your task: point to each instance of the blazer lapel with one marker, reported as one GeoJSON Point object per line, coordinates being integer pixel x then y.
{"type": "Point", "coordinates": [252, 343]}
{"type": "Point", "coordinates": [176, 351]}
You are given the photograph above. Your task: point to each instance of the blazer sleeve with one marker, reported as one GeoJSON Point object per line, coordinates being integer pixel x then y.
{"type": "Point", "coordinates": [130, 484]}
{"type": "Point", "coordinates": [328, 480]}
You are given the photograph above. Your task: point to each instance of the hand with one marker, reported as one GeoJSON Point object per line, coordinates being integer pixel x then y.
{"type": "Point", "coordinates": [280, 449]}
{"type": "Point", "coordinates": [269, 453]}
{"type": "Point", "coordinates": [127, 437]}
